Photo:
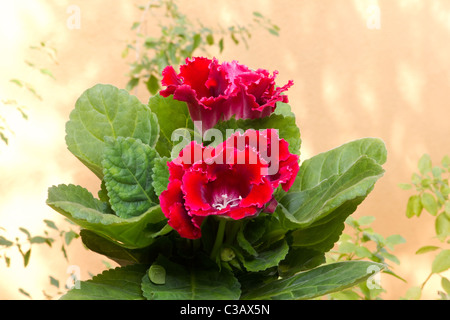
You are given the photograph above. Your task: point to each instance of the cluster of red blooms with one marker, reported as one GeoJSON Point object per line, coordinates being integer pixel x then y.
{"type": "Point", "coordinates": [231, 180]}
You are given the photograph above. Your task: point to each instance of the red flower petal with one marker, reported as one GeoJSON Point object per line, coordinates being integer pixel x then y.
{"type": "Point", "coordinates": [259, 195]}
{"type": "Point", "coordinates": [215, 92]}
{"type": "Point", "coordinates": [180, 220]}
{"type": "Point", "coordinates": [170, 196]}
{"type": "Point", "coordinates": [194, 189]}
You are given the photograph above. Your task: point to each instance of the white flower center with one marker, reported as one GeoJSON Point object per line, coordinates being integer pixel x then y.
{"type": "Point", "coordinates": [226, 202]}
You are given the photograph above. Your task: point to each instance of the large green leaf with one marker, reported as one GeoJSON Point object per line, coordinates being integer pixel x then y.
{"type": "Point", "coordinates": [125, 256]}
{"type": "Point", "coordinates": [316, 282]}
{"type": "Point", "coordinates": [105, 111]}
{"type": "Point", "coordinates": [128, 166]}
{"type": "Point", "coordinates": [79, 206]}
{"type": "Point", "coordinates": [336, 161]}
{"type": "Point", "coordinates": [328, 189]}
{"type": "Point", "coordinates": [305, 207]}
{"type": "Point", "coordinates": [197, 280]}
{"type": "Point", "coordinates": [123, 283]}
{"type": "Point", "coordinates": [284, 122]}
{"type": "Point", "coordinates": [172, 115]}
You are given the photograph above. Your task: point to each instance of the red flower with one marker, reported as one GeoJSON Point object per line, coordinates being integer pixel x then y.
{"type": "Point", "coordinates": [232, 180]}
{"type": "Point", "coordinates": [215, 92]}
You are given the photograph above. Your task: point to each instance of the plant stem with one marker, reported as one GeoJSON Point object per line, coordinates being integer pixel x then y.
{"type": "Point", "coordinates": [219, 239]}
{"type": "Point", "coordinates": [231, 235]}
{"type": "Point", "coordinates": [426, 280]}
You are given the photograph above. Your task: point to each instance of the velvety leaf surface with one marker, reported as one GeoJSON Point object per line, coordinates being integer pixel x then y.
{"type": "Point", "coordinates": [124, 256]}
{"type": "Point", "coordinates": [316, 282]}
{"type": "Point", "coordinates": [337, 161]}
{"type": "Point", "coordinates": [122, 283]}
{"type": "Point", "coordinates": [284, 122]}
{"type": "Point", "coordinates": [160, 175]}
{"type": "Point", "coordinates": [128, 165]}
{"type": "Point", "coordinates": [105, 111]}
{"type": "Point", "coordinates": [191, 282]}
{"type": "Point", "coordinates": [357, 180]}
{"type": "Point", "coordinates": [172, 115]}
{"type": "Point", "coordinates": [266, 258]}
{"type": "Point", "coordinates": [79, 206]}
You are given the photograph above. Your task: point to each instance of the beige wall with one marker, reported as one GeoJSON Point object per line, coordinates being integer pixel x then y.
{"type": "Point", "coordinates": [351, 81]}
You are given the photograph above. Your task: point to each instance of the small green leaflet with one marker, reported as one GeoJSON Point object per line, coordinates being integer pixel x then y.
{"type": "Point", "coordinates": [160, 175]}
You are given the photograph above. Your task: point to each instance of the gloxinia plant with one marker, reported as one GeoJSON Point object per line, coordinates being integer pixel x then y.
{"type": "Point", "coordinates": [202, 194]}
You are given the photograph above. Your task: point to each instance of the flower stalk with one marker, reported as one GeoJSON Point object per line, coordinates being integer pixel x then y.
{"type": "Point", "coordinates": [219, 239]}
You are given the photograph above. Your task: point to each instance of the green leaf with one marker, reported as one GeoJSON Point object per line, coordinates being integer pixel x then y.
{"type": "Point", "coordinates": [414, 206]}
{"type": "Point", "coordinates": [192, 280]}
{"type": "Point", "coordinates": [413, 293]}
{"type": "Point", "coordinates": [405, 186]}
{"type": "Point", "coordinates": [336, 161]}
{"type": "Point", "coordinates": [442, 226]}
{"type": "Point", "coordinates": [257, 14]}
{"type": "Point", "coordinates": [152, 84]}
{"type": "Point", "coordinates": [79, 206]}
{"type": "Point", "coordinates": [172, 115]}
{"type": "Point", "coordinates": [22, 291]}
{"type": "Point", "coordinates": [26, 257]}
{"type": "Point", "coordinates": [122, 283]}
{"type": "Point", "coordinates": [69, 236]}
{"type": "Point", "coordinates": [121, 255]}
{"type": "Point", "coordinates": [351, 184]}
{"type": "Point", "coordinates": [426, 249]}
{"type": "Point", "coordinates": [128, 165]}
{"type": "Point", "coordinates": [425, 164]}
{"type": "Point", "coordinates": [17, 82]}
{"type": "Point", "coordinates": [38, 239]}
{"type": "Point", "coordinates": [266, 258]}
{"type": "Point", "coordinates": [316, 282]}
{"type": "Point", "coordinates": [54, 282]}
{"type": "Point", "coordinates": [160, 175]}
{"type": "Point", "coordinates": [442, 262]}
{"type": "Point", "coordinates": [22, 229]}
{"type": "Point", "coordinates": [157, 274]}
{"type": "Point", "coordinates": [394, 240]}
{"type": "Point", "coordinates": [300, 259]}
{"type": "Point", "coordinates": [366, 220]}
{"type": "Point", "coordinates": [47, 72]}
{"type": "Point", "coordinates": [210, 39]}
{"type": "Point", "coordinates": [5, 242]}
{"type": "Point", "coordinates": [429, 203]}
{"type": "Point", "coordinates": [445, 283]}
{"type": "Point", "coordinates": [445, 162]}
{"type": "Point", "coordinates": [51, 224]}
{"type": "Point", "coordinates": [284, 122]}
{"type": "Point", "coordinates": [328, 188]}
{"type": "Point", "coordinates": [105, 111]}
